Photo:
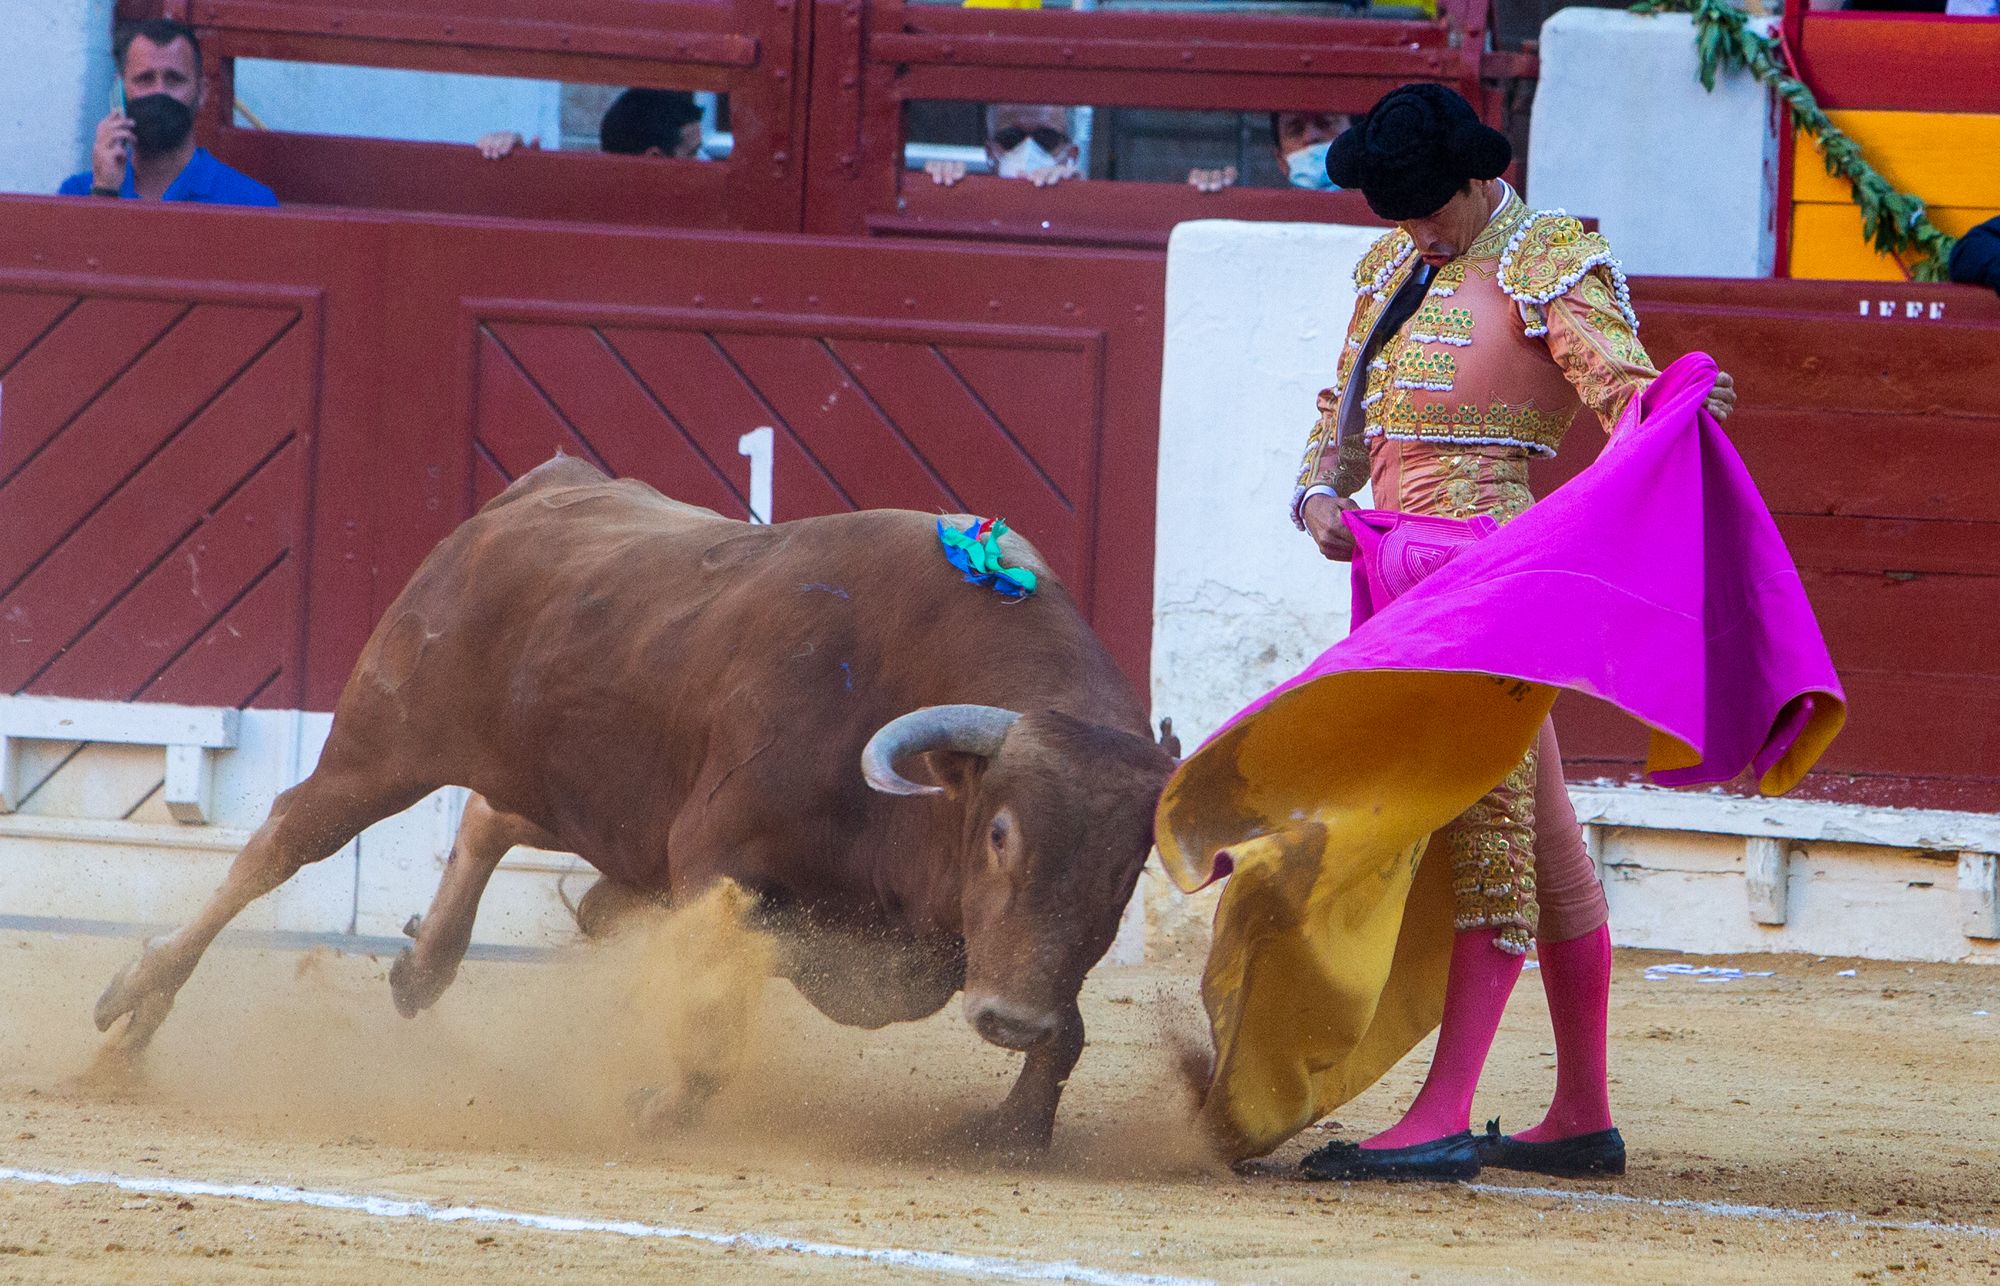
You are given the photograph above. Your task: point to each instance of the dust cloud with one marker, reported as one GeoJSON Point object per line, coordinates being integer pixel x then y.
{"type": "Point", "coordinates": [671, 1037]}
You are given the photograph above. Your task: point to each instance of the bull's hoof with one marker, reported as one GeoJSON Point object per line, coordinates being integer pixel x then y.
{"type": "Point", "coordinates": [415, 989]}
{"type": "Point", "coordinates": [145, 991]}
{"type": "Point", "coordinates": [1009, 1136]}
{"type": "Point", "coordinates": [653, 1110]}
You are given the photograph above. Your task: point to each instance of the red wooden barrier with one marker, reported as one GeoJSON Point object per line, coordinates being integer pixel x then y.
{"type": "Point", "coordinates": [817, 93]}
{"type": "Point", "coordinates": [1870, 419]}
{"type": "Point", "coordinates": [210, 488]}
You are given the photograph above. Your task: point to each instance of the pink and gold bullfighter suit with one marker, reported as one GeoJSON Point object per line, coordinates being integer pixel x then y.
{"type": "Point", "coordinates": [1454, 401]}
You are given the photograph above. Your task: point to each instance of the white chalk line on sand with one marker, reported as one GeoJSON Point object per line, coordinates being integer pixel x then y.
{"type": "Point", "coordinates": [1735, 1210]}
{"type": "Point", "coordinates": [936, 1261]}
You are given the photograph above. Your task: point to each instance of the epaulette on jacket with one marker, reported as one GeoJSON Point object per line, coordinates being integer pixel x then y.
{"type": "Point", "coordinates": [1378, 266]}
{"type": "Point", "coordinates": [1546, 258]}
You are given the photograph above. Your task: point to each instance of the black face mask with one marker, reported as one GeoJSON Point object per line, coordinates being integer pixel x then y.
{"type": "Point", "coordinates": [160, 122]}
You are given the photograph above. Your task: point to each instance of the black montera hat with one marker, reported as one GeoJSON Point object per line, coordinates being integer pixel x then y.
{"type": "Point", "coordinates": [1414, 149]}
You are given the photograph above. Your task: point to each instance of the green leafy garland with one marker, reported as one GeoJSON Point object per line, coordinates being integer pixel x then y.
{"type": "Point", "coordinates": [1894, 221]}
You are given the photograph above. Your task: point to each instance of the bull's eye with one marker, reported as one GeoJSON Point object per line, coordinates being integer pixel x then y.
{"type": "Point", "coordinates": [997, 837]}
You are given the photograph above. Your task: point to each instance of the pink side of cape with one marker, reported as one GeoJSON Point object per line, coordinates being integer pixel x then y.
{"type": "Point", "coordinates": [1655, 579]}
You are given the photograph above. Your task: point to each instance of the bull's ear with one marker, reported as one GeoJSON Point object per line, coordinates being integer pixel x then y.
{"type": "Point", "coordinates": [955, 770]}
{"type": "Point", "coordinates": [1168, 741]}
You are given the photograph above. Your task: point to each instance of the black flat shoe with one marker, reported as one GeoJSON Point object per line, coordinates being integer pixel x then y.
{"type": "Point", "coordinates": [1585, 1156]}
{"type": "Point", "coordinates": [1456, 1156]}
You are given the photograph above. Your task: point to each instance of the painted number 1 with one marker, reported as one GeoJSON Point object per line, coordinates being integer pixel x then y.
{"type": "Point", "coordinates": [757, 445]}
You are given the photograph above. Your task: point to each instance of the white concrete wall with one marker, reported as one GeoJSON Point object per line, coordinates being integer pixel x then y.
{"type": "Point", "coordinates": [55, 86]}
{"type": "Point", "coordinates": [1682, 181]}
{"type": "Point", "coordinates": [1256, 313]}
{"type": "Point", "coordinates": [380, 102]}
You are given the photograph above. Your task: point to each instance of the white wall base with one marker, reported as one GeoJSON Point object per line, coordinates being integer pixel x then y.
{"type": "Point", "coordinates": [1256, 313]}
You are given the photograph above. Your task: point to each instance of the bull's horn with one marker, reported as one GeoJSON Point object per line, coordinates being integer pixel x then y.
{"type": "Point", "coordinates": [970, 730]}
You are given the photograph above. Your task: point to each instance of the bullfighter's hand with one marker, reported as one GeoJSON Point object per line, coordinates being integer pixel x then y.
{"type": "Point", "coordinates": [1324, 525]}
{"type": "Point", "coordinates": [1722, 398]}
{"type": "Point", "coordinates": [945, 173]}
{"type": "Point", "coordinates": [109, 152]}
{"type": "Point", "coordinates": [1212, 180]}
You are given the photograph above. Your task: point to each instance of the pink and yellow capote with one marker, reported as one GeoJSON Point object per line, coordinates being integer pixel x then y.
{"type": "Point", "coordinates": [1655, 580]}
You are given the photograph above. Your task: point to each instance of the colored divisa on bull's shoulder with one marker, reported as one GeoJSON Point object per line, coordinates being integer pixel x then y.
{"type": "Point", "coordinates": [682, 698]}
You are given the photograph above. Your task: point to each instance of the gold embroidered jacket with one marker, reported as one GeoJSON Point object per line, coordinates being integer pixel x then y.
{"type": "Point", "coordinates": [1533, 319]}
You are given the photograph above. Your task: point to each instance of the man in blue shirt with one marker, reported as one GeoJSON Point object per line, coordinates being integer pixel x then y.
{"type": "Point", "coordinates": [147, 150]}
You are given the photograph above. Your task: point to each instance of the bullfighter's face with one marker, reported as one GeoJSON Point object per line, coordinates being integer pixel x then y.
{"type": "Point", "coordinates": [1059, 828]}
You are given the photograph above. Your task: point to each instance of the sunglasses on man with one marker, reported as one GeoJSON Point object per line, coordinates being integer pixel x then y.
{"type": "Point", "coordinates": [1047, 137]}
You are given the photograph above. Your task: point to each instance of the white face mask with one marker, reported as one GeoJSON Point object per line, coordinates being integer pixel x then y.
{"type": "Point", "coordinates": [1025, 159]}
{"type": "Point", "coordinates": [1307, 167]}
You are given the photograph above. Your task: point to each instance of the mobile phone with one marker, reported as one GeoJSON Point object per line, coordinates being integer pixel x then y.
{"type": "Point", "coordinates": [118, 96]}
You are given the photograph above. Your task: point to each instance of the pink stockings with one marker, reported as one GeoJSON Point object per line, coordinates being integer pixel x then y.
{"type": "Point", "coordinates": [1475, 995]}
{"type": "Point", "coordinates": [1575, 953]}
{"type": "Point", "coordinates": [1576, 977]}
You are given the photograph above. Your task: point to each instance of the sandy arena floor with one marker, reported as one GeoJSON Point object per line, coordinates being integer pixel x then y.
{"type": "Point", "coordinates": [1806, 1126]}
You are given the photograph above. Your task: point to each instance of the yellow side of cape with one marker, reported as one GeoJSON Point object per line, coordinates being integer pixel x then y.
{"type": "Point", "coordinates": [1333, 936]}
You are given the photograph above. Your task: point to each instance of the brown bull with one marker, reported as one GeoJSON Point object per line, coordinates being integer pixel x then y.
{"type": "Point", "coordinates": [680, 698]}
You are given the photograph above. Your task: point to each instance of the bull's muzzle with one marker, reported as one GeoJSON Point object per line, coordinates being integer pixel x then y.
{"type": "Point", "coordinates": [1008, 1025]}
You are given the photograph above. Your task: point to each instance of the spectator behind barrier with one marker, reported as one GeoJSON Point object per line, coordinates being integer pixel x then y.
{"type": "Point", "coordinates": [145, 146]}
{"type": "Point", "coordinates": [1023, 141]}
{"type": "Point", "coordinates": [639, 122]}
{"type": "Point", "coordinates": [1975, 260]}
{"type": "Point", "coordinates": [1300, 140]}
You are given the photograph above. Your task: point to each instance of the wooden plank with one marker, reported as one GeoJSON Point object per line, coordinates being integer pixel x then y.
{"type": "Point", "coordinates": [487, 480]}
{"type": "Point", "coordinates": [117, 722]}
{"type": "Point", "coordinates": [235, 661]}
{"type": "Point", "coordinates": [1854, 364]}
{"type": "Point", "coordinates": [477, 27]}
{"type": "Point", "coordinates": [872, 459]}
{"type": "Point", "coordinates": [513, 420]}
{"type": "Point", "coordinates": [24, 316]}
{"type": "Point", "coordinates": [969, 446]}
{"type": "Point", "coordinates": [1931, 830]}
{"type": "Point", "coordinates": [1944, 158]}
{"type": "Point", "coordinates": [694, 377]}
{"type": "Point", "coordinates": [147, 404]}
{"type": "Point", "coordinates": [1867, 619]}
{"type": "Point", "coordinates": [1893, 545]}
{"type": "Point", "coordinates": [598, 395]}
{"type": "Point", "coordinates": [1838, 462]}
{"type": "Point", "coordinates": [391, 174]}
{"type": "Point", "coordinates": [185, 593]}
{"type": "Point", "coordinates": [144, 518]}
{"type": "Point", "coordinates": [1919, 725]}
{"type": "Point", "coordinates": [1055, 420]}
{"type": "Point", "coordinates": [1900, 724]}
{"type": "Point", "coordinates": [1906, 61]}
{"type": "Point", "coordinates": [73, 365]}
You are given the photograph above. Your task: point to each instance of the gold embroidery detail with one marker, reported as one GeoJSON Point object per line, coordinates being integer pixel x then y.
{"type": "Point", "coordinates": [1426, 369]}
{"type": "Point", "coordinates": [1491, 846]}
{"type": "Point", "coordinates": [1378, 265]}
{"type": "Point", "coordinates": [1620, 338]}
{"type": "Point", "coordinates": [1476, 484]}
{"type": "Point", "coordinates": [1540, 432]}
{"type": "Point", "coordinates": [1437, 323]}
{"type": "Point", "coordinates": [1492, 239]}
